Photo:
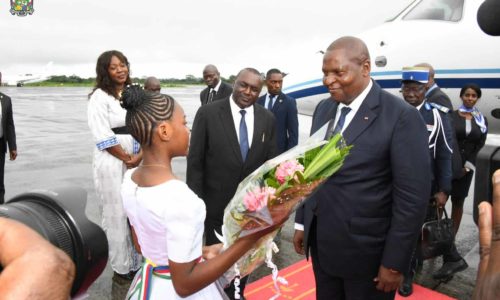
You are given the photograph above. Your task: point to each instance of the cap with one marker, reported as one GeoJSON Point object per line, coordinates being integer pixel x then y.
{"type": "Point", "coordinates": [417, 74]}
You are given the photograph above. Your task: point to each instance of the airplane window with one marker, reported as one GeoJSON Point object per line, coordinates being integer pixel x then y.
{"type": "Point", "coordinates": [441, 10]}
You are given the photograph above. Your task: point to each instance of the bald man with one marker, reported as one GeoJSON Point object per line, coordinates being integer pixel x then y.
{"type": "Point", "coordinates": [152, 84]}
{"type": "Point", "coordinates": [216, 89]}
{"type": "Point", "coordinates": [362, 225]}
{"type": "Point", "coordinates": [433, 93]}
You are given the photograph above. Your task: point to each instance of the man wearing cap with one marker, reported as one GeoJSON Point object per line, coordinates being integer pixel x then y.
{"type": "Point", "coordinates": [440, 150]}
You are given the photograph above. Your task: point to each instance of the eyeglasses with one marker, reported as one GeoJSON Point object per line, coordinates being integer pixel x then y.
{"type": "Point", "coordinates": [412, 89]}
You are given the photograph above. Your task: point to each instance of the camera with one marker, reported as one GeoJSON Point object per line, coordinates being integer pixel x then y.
{"type": "Point", "coordinates": [59, 216]}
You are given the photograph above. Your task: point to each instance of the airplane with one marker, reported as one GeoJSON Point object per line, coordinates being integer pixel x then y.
{"type": "Point", "coordinates": [20, 80]}
{"type": "Point", "coordinates": [444, 33]}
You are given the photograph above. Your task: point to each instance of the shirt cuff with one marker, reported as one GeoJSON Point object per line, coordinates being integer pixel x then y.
{"type": "Point", "coordinates": [298, 226]}
{"type": "Point", "coordinates": [112, 141]}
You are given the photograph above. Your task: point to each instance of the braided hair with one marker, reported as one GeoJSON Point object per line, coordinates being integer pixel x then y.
{"type": "Point", "coordinates": [145, 110]}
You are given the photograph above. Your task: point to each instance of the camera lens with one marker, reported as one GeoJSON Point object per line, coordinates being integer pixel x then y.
{"type": "Point", "coordinates": [59, 216]}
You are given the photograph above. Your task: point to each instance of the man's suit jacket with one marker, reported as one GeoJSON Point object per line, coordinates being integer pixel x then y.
{"type": "Point", "coordinates": [214, 163]}
{"type": "Point", "coordinates": [287, 123]}
{"type": "Point", "coordinates": [9, 130]}
{"type": "Point", "coordinates": [439, 97]}
{"type": "Point", "coordinates": [224, 91]}
{"type": "Point", "coordinates": [370, 212]}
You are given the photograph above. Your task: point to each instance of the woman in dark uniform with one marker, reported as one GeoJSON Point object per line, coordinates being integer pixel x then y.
{"type": "Point", "coordinates": [471, 128]}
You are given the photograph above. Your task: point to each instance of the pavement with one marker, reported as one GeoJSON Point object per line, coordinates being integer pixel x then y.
{"type": "Point", "coordinates": [54, 150]}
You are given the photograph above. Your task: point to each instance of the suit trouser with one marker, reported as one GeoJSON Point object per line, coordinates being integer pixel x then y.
{"type": "Point", "coordinates": [332, 287]}
{"type": "Point", "coordinates": [2, 167]}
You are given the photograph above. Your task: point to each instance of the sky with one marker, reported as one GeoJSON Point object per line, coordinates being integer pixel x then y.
{"type": "Point", "coordinates": [172, 39]}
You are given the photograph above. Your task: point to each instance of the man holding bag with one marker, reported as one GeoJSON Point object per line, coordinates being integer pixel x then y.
{"type": "Point", "coordinates": [440, 143]}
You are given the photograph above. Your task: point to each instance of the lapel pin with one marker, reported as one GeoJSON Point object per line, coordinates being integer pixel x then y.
{"type": "Point", "coordinates": [365, 118]}
{"type": "Point", "coordinates": [281, 100]}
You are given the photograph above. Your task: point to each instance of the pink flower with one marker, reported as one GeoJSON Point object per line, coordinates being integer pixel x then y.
{"type": "Point", "coordinates": [258, 198]}
{"type": "Point", "coordinates": [287, 169]}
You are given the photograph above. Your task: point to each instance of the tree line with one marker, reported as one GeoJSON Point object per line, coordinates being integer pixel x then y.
{"type": "Point", "coordinates": [76, 80]}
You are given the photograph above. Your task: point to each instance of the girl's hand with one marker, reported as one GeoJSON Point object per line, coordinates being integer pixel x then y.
{"type": "Point", "coordinates": [212, 251]}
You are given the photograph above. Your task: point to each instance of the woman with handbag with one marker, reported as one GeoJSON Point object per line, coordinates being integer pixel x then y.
{"type": "Point", "coordinates": [471, 128]}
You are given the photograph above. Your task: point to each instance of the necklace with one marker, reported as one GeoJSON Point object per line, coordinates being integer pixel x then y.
{"type": "Point", "coordinates": [155, 165]}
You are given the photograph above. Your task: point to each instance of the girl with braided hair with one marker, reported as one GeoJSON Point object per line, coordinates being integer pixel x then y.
{"type": "Point", "coordinates": [166, 217]}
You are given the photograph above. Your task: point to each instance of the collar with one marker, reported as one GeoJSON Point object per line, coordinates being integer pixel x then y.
{"type": "Point", "coordinates": [216, 88]}
{"type": "Point", "coordinates": [356, 103]}
{"type": "Point", "coordinates": [235, 109]}
{"type": "Point", "coordinates": [433, 87]}
{"type": "Point", "coordinates": [421, 104]}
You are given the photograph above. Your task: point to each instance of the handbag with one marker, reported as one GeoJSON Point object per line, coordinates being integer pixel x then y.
{"type": "Point", "coordinates": [437, 236]}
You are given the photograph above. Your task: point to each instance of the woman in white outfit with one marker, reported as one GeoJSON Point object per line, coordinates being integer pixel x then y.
{"type": "Point", "coordinates": [115, 151]}
{"type": "Point", "coordinates": [166, 216]}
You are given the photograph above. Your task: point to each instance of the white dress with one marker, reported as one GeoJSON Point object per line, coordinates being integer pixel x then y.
{"type": "Point", "coordinates": [168, 221]}
{"type": "Point", "coordinates": [105, 113]}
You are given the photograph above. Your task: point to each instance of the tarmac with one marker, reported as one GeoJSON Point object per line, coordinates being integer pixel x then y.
{"type": "Point", "coordinates": [55, 150]}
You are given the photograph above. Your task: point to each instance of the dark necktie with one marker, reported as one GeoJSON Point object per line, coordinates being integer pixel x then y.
{"type": "Point", "coordinates": [243, 136]}
{"type": "Point", "coordinates": [270, 103]}
{"type": "Point", "coordinates": [340, 124]}
{"type": "Point", "coordinates": [211, 96]}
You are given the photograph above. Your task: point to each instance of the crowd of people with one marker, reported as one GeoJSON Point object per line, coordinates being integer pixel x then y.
{"type": "Point", "coordinates": [410, 156]}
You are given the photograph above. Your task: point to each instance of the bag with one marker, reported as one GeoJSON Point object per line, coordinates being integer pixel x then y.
{"type": "Point", "coordinates": [437, 236]}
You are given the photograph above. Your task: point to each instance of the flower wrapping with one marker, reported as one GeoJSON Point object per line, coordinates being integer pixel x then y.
{"type": "Point", "coordinates": [275, 190]}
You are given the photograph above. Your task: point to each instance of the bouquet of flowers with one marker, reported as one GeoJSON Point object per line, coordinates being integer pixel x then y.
{"type": "Point", "coordinates": [275, 190]}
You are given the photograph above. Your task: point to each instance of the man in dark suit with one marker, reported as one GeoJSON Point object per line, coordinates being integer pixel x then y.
{"type": "Point", "coordinates": [229, 140]}
{"type": "Point", "coordinates": [434, 94]}
{"type": "Point", "coordinates": [284, 109]}
{"type": "Point", "coordinates": [216, 89]}
{"type": "Point", "coordinates": [362, 224]}
{"type": "Point", "coordinates": [7, 139]}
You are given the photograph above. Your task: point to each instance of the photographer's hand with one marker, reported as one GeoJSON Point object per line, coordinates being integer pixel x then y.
{"type": "Point", "coordinates": [488, 275]}
{"type": "Point", "coordinates": [32, 267]}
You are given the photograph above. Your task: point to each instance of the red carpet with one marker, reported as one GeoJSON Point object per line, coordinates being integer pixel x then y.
{"type": "Point", "coordinates": [301, 286]}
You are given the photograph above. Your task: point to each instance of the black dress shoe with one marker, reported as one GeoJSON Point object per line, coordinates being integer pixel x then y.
{"type": "Point", "coordinates": [406, 288]}
{"type": "Point", "coordinates": [449, 268]}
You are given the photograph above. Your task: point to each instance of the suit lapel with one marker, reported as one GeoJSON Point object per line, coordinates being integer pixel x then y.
{"type": "Point", "coordinates": [279, 100]}
{"type": "Point", "coordinates": [364, 116]}
{"type": "Point", "coordinates": [228, 124]}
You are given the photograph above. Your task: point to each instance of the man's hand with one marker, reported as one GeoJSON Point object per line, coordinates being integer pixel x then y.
{"type": "Point", "coordinates": [441, 198]}
{"type": "Point", "coordinates": [298, 242]}
{"type": "Point", "coordinates": [488, 275]}
{"type": "Point", "coordinates": [388, 280]}
{"type": "Point", "coordinates": [13, 154]}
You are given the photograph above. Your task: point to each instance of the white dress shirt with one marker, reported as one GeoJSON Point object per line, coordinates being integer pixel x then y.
{"type": "Point", "coordinates": [249, 120]}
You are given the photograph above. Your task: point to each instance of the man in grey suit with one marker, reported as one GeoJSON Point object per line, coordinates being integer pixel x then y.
{"type": "Point", "coordinates": [362, 224]}
{"type": "Point", "coordinates": [7, 138]}
{"type": "Point", "coordinates": [230, 138]}
{"type": "Point", "coordinates": [216, 89]}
